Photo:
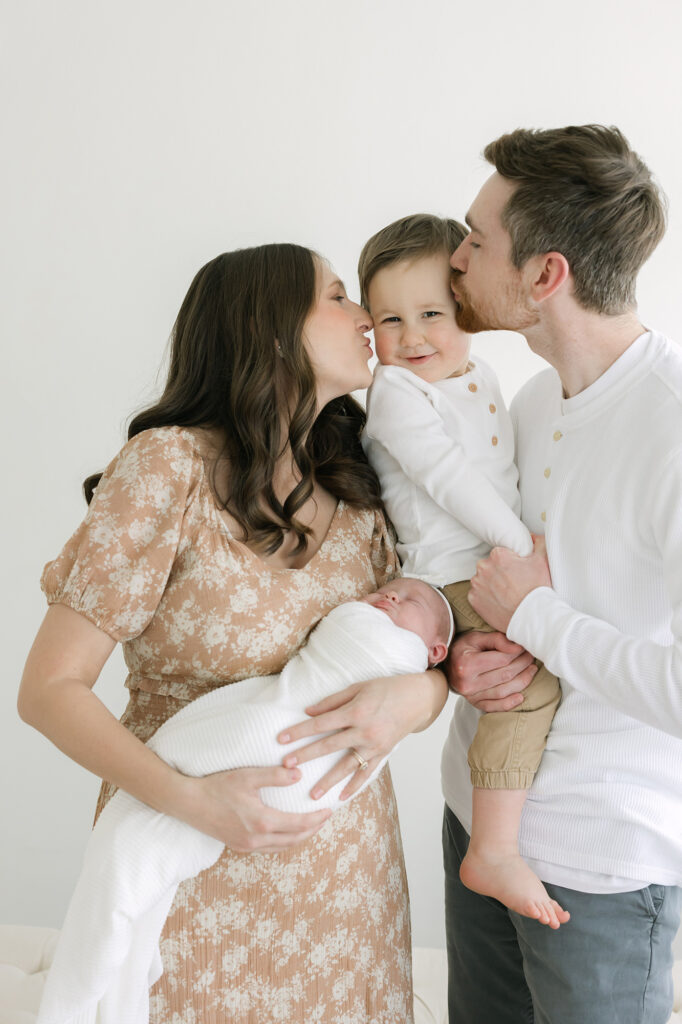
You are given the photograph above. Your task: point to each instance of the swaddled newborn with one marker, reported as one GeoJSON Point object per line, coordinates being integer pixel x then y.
{"type": "Point", "coordinates": [107, 956]}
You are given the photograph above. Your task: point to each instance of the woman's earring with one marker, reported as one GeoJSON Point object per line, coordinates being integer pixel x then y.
{"type": "Point", "coordinates": [278, 350]}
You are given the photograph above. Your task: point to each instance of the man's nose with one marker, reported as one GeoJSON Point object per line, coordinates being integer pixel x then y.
{"type": "Point", "coordinates": [458, 260]}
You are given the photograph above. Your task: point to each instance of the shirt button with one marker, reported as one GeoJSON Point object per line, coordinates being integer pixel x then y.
{"type": "Point", "coordinates": [494, 440]}
{"type": "Point", "coordinates": [492, 407]}
{"type": "Point", "coordinates": [557, 435]}
{"type": "Point", "coordinates": [543, 516]}
{"type": "Point", "coordinates": [548, 472]}
{"type": "Point", "coordinates": [473, 387]}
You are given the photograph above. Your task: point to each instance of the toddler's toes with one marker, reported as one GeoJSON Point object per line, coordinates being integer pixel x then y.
{"type": "Point", "coordinates": [532, 909]}
{"type": "Point", "coordinates": [562, 915]}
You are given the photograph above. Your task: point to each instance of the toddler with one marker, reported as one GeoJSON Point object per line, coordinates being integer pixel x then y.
{"type": "Point", "coordinates": [441, 440]}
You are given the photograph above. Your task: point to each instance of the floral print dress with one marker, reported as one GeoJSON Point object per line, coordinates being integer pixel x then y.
{"type": "Point", "coordinates": [319, 932]}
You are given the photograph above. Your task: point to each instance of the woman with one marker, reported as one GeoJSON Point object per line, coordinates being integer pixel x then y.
{"type": "Point", "coordinates": [239, 513]}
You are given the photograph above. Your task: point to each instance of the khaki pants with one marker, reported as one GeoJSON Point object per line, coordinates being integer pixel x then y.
{"type": "Point", "coordinates": [508, 745]}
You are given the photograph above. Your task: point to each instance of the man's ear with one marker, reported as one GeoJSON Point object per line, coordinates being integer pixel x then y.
{"type": "Point", "coordinates": [549, 272]}
{"type": "Point", "coordinates": [437, 653]}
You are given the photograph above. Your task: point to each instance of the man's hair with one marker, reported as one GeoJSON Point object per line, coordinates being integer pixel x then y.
{"type": "Point", "coordinates": [409, 238]}
{"type": "Point", "coordinates": [583, 192]}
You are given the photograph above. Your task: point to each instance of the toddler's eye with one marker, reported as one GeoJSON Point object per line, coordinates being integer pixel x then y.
{"type": "Point", "coordinates": [339, 298]}
{"type": "Point", "coordinates": [430, 313]}
{"type": "Point", "coordinates": [391, 320]}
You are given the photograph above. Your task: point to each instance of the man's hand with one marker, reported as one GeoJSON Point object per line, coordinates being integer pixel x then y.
{"type": "Point", "coordinates": [488, 670]}
{"type": "Point", "coordinates": [503, 580]}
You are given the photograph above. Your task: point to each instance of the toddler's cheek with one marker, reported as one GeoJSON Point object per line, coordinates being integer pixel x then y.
{"type": "Point", "coordinates": [384, 348]}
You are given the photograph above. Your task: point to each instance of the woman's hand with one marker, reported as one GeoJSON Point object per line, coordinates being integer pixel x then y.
{"type": "Point", "coordinates": [56, 697]}
{"type": "Point", "coordinates": [370, 718]}
{"type": "Point", "coordinates": [228, 806]}
{"type": "Point", "coordinates": [489, 670]}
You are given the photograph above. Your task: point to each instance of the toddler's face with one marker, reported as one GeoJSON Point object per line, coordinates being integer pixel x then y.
{"type": "Point", "coordinates": [416, 606]}
{"type": "Point", "coordinates": [413, 309]}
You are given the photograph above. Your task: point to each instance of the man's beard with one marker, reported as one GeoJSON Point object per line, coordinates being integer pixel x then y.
{"type": "Point", "coordinates": [469, 320]}
{"type": "Point", "coordinates": [515, 314]}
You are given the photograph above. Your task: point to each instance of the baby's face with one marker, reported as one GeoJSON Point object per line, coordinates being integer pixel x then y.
{"type": "Point", "coordinates": [416, 606]}
{"type": "Point", "coordinates": [413, 309]}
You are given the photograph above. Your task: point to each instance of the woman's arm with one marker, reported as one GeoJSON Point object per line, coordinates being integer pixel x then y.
{"type": "Point", "coordinates": [56, 698]}
{"type": "Point", "coordinates": [369, 717]}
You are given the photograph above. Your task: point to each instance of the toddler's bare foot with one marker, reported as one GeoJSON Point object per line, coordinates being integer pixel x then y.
{"type": "Point", "coordinates": [507, 878]}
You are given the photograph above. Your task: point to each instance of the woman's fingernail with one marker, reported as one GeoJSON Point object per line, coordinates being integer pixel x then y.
{"type": "Point", "coordinates": [283, 738]}
{"type": "Point", "coordinates": [316, 794]}
{"type": "Point", "coordinates": [290, 761]}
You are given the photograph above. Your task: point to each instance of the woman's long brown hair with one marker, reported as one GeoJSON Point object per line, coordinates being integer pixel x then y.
{"type": "Point", "coordinates": [226, 373]}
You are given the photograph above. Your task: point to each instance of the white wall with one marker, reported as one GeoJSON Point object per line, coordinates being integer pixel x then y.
{"type": "Point", "coordinates": [142, 138]}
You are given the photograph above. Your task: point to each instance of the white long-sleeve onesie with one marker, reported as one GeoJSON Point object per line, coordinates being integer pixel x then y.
{"type": "Point", "coordinates": [444, 455]}
{"type": "Point", "coordinates": [107, 955]}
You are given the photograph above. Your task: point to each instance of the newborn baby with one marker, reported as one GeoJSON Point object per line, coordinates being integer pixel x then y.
{"type": "Point", "coordinates": [107, 956]}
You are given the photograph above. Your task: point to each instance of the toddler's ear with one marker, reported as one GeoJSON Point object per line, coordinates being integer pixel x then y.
{"type": "Point", "coordinates": [437, 653]}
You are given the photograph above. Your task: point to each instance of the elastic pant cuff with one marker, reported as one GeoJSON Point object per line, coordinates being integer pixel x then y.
{"type": "Point", "coordinates": [501, 780]}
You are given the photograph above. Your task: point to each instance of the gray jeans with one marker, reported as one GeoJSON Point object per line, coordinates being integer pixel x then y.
{"type": "Point", "coordinates": [611, 964]}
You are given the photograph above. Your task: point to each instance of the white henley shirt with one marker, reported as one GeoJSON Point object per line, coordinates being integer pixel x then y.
{"type": "Point", "coordinates": [601, 475]}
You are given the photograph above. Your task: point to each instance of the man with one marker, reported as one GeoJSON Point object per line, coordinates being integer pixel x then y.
{"type": "Point", "coordinates": [558, 235]}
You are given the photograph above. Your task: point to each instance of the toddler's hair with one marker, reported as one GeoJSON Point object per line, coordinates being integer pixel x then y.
{"type": "Point", "coordinates": [409, 238]}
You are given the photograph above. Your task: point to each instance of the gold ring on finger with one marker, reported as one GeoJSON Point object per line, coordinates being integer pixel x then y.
{"type": "Point", "coordinates": [359, 758]}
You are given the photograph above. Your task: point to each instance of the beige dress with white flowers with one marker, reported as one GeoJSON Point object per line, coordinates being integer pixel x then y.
{"type": "Point", "coordinates": [316, 933]}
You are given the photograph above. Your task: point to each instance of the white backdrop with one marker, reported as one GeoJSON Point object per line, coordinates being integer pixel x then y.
{"type": "Point", "coordinates": [144, 137]}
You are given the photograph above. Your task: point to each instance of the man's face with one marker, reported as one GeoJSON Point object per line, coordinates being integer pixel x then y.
{"type": "Point", "coordinates": [490, 292]}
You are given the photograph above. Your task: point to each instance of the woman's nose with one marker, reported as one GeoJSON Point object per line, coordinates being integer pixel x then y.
{"type": "Point", "coordinates": [363, 320]}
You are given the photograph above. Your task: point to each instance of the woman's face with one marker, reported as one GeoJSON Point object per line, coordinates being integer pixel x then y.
{"type": "Point", "coordinates": [335, 340]}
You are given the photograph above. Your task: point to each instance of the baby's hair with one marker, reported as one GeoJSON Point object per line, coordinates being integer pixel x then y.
{"type": "Point", "coordinates": [409, 238]}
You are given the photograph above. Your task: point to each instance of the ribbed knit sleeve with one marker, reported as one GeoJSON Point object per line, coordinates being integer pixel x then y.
{"type": "Point", "coordinates": [590, 653]}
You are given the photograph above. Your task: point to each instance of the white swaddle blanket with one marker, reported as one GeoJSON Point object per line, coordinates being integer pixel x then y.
{"type": "Point", "coordinates": [107, 956]}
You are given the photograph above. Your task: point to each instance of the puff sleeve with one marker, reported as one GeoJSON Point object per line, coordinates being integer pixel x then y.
{"type": "Point", "coordinates": [383, 553]}
{"type": "Point", "coordinates": [115, 567]}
